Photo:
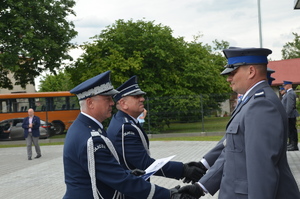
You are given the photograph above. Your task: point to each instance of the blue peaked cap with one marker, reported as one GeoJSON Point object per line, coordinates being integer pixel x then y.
{"type": "Point", "coordinates": [129, 88]}
{"type": "Point", "coordinates": [237, 57]}
{"type": "Point", "coordinates": [269, 78]}
{"type": "Point", "coordinates": [287, 82]}
{"type": "Point", "coordinates": [98, 85]}
{"type": "Point", "coordinates": [281, 88]}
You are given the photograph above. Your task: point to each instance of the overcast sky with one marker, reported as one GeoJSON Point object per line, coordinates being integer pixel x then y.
{"type": "Point", "coordinates": [230, 20]}
{"type": "Point", "coordinates": [235, 21]}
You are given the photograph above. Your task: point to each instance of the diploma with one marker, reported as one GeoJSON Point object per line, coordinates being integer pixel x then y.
{"type": "Point", "coordinates": [155, 166]}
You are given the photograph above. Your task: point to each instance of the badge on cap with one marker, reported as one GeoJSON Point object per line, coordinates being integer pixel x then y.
{"type": "Point", "coordinates": [129, 88]}
{"type": "Point", "coordinates": [98, 85]}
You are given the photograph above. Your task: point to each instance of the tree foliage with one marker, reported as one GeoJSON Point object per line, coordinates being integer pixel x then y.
{"type": "Point", "coordinates": [165, 65]}
{"type": "Point", "coordinates": [292, 49]}
{"type": "Point", "coordinates": [34, 36]}
{"type": "Point", "coordinates": [58, 82]}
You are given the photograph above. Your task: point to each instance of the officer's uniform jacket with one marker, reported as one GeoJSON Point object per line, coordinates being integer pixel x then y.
{"type": "Point", "coordinates": [110, 175]}
{"type": "Point", "coordinates": [289, 103]}
{"type": "Point", "coordinates": [134, 153]}
{"type": "Point", "coordinates": [253, 163]}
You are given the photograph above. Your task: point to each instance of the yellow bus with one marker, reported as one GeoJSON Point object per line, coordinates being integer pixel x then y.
{"type": "Point", "coordinates": [60, 108]}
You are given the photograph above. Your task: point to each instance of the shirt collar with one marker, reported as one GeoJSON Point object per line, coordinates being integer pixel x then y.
{"type": "Point", "coordinates": [248, 91]}
{"type": "Point", "coordinates": [97, 122]}
{"type": "Point", "coordinates": [136, 121]}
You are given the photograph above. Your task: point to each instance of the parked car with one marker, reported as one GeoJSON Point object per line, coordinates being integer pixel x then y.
{"type": "Point", "coordinates": [11, 129]}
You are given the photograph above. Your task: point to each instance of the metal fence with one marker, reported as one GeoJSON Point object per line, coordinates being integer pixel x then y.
{"type": "Point", "coordinates": [162, 111]}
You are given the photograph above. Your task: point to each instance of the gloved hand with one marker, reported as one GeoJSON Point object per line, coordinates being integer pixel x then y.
{"type": "Point", "coordinates": [194, 190]}
{"type": "Point", "coordinates": [137, 172]}
{"type": "Point", "coordinates": [193, 171]}
{"type": "Point", "coordinates": [175, 195]}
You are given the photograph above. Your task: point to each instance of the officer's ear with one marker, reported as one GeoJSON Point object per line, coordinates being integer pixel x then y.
{"type": "Point", "coordinates": [252, 71]}
{"type": "Point", "coordinates": [123, 103]}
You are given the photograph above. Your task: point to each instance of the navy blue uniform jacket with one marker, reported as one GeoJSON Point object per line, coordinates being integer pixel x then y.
{"type": "Point", "coordinates": [110, 174]}
{"type": "Point", "coordinates": [35, 130]}
{"type": "Point", "coordinates": [135, 152]}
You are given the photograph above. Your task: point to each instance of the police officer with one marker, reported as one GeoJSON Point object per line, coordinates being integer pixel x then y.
{"type": "Point", "coordinates": [130, 140]}
{"type": "Point", "coordinates": [289, 103]}
{"type": "Point", "coordinates": [91, 164]}
{"type": "Point", "coordinates": [253, 162]}
{"type": "Point", "coordinates": [209, 158]}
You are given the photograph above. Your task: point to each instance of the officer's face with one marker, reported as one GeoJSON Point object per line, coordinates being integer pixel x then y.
{"type": "Point", "coordinates": [101, 107]}
{"type": "Point", "coordinates": [134, 105]}
{"type": "Point", "coordinates": [238, 79]}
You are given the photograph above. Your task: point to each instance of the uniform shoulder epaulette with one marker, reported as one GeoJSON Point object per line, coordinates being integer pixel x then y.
{"type": "Point", "coordinates": [95, 133]}
{"type": "Point", "coordinates": [126, 120]}
{"type": "Point", "coordinates": [259, 93]}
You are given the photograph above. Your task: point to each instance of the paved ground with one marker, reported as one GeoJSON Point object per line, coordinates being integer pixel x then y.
{"type": "Point", "coordinates": [43, 178]}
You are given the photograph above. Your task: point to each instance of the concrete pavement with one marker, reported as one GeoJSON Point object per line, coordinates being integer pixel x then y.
{"type": "Point", "coordinates": [43, 178]}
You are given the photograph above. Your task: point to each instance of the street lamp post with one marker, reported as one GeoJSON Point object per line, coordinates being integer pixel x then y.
{"type": "Point", "coordinates": [259, 23]}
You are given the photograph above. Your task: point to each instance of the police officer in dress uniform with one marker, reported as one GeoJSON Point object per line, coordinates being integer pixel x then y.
{"type": "Point", "coordinates": [289, 103]}
{"type": "Point", "coordinates": [282, 92]}
{"type": "Point", "coordinates": [209, 158]}
{"type": "Point", "coordinates": [130, 140]}
{"type": "Point", "coordinates": [253, 161]}
{"type": "Point", "coordinates": [91, 164]}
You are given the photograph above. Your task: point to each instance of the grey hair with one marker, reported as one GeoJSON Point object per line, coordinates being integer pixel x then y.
{"type": "Point", "coordinates": [82, 104]}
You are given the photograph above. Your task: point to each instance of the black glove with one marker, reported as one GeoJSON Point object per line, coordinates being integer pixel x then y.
{"type": "Point", "coordinates": [193, 171]}
{"type": "Point", "coordinates": [137, 172]}
{"type": "Point", "coordinates": [175, 195]}
{"type": "Point", "coordinates": [194, 190]}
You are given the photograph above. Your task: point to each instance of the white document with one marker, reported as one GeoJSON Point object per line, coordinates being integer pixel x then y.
{"type": "Point", "coordinates": [155, 166]}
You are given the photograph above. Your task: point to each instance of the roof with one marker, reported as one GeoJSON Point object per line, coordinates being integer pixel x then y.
{"type": "Point", "coordinates": [285, 70]}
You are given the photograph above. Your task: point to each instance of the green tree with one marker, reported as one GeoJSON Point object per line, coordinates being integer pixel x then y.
{"type": "Point", "coordinates": [292, 49]}
{"type": "Point", "coordinates": [165, 65]}
{"type": "Point", "coordinates": [59, 82]}
{"type": "Point", "coordinates": [34, 36]}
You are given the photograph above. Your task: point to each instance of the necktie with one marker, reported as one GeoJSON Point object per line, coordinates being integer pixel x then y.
{"type": "Point", "coordinates": [240, 99]}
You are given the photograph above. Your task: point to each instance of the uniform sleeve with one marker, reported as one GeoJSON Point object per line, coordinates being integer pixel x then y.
{"type": "Point", "coordinates": [290, 103]}
{"type": "Point", "coordinates": [213, 177]}
{"type": "Point", "coordinates": [214, 153]}
{"type": "Point", "coordinates": [112, 174]}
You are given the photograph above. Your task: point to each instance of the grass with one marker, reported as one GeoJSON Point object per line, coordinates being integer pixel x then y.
{"type": "Point", "coordinates": [210, 124]}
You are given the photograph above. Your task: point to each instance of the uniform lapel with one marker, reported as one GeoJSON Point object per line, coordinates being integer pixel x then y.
{"type": "Point", "coordinates": [246, 100]}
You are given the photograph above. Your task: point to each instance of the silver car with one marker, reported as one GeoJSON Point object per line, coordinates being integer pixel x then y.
{"type": "Point", "coordinates": [11, 129]}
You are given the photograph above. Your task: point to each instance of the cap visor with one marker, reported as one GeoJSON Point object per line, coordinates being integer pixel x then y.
{"type": "Point", "coordinates": [138, 93]}
{"type": "Point", "coordinates": [110, 92]}
{"type": "Point", "coordinates": [226, 71]}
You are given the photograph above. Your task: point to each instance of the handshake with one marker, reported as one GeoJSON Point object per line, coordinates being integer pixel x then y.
{"type": "Point", "coordinates": [192, 172]}
{"type": "Point", "coordinates": [193, 191]}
